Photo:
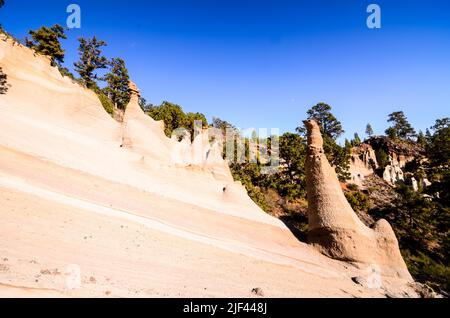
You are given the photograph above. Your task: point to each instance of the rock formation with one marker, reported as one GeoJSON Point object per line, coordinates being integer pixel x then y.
{"type": "Point", "coordinates": [414, 184]}
{"type": "Point", "coordinates": [363, 161]}
{"type": "Point", "coordinates": [335, 229]}
{"type": "Point", "coordinates": [393, 174]}
{"type": "Point", "coordinates": [66, 183]}
{"type": "Point", "coordinates": [201, 153]}
{"type": "Point", "coordinates": [399, 153]}
{"type": "Point", "coordinates": [137, 128]}
{"type": "Point", "coordinates": [425, 183]}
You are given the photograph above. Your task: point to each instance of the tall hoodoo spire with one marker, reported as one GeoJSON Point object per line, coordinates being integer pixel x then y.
{"type": "Point", "coordinates": [134, 91]}
{"type": "Point", "coordinates": [334, 228]}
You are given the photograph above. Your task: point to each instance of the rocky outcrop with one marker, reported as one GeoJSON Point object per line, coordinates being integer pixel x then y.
{"type": "Point", "coordinates": [414, 184]}
{"type": "Point", "coordinates": [201, 152]}
{"type": "Point", "coordinates": [425, 183]}
{"type": "Point", "coordinates": [397, 154]}
{"type": "Point", "coordinates": [335, 229]}
{"type": "Point", "coordinates": [143, 135]}
{"type": "Point", "coordinates": [393, 174]}
{"type": "Point", "coordinates": [363, 161]}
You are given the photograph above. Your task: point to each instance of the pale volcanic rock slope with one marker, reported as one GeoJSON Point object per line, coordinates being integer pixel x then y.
{"type": "Point", "coordinates": [93, 207]}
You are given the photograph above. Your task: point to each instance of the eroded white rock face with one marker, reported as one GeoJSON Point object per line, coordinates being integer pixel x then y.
{"type": "Point", "coordinates": [393, 174]}
{"type": "Point", "coordinates": [425, 183]}
{"type": "Point", "coordinates": [364, 160]}
{"type": "Point", "coordinates": [204, 152]}
{"type": "Point", "coordinates": [362, 163]}
{"type": "Point", "coordinates": [70, 128]}
{"type": "Point", "coordinates": [415, 185]}
{"type": "Point", "coordinates": [181, 154]}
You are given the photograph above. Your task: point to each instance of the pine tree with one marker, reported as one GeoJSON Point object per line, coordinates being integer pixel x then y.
{"type": "Point", "coordinates": [3, 82]}
{"type": "Point", "coordinates": [171, 114]}
{"type": "Point", "coordinates": [331, 129]}
{"type": "Point", "coordinates": [441, 124]}
{"type": "Point", "coordinates": [438, 149]}
{"type": "Point", "coordinates": [421, 139]}
{"type": "Point", "coordinates": [45, 41]}
{"type": "Point", "coordinates": [428, 135]}
{"type": "Point", "coordinates": [222, 124]}
{"type": "Point", "coordinates": [356, 140]}
{"type": "Point", "coordinates": [91, 59]}
{"type": "Point", "coordinates": [143, 103]}
{"type": "Point", "coordinates": [329, 125]}
{"type": "Point", "coordinates": [190, 119]}
{"type": "Point", "coordinates": [401, 128]}
{"type": "Point", "coordinates": [291, 182]}
{"type": "Point", "coordinates": [347, 144]}
{"type": "Point", "coordinates": [117, 83]}
{"type": "Point", "coordinates": [369, 130]}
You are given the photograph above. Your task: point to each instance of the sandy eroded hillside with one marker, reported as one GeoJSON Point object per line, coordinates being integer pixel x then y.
{"type": "Point", "coordinates": [93, 207]}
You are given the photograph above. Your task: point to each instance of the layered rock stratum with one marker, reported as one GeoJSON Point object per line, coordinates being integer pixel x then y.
{"type": "Point", "coordinates": [92, 207]}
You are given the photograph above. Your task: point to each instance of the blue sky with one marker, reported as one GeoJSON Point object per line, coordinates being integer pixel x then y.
{"type": "Point", "coordinates": [264, 63]}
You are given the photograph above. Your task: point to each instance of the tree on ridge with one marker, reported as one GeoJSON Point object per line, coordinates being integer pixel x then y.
{"type": "Point", "coordinates": [401, 128]}
{"type": "Point", "coordinates": [117, 83]}
{"type": "Point", "coordinates": [91, 59]}
{"type": "Point", "coordinates": [369, 130]}
{"type": "Point", "coordinates": [46, 41]}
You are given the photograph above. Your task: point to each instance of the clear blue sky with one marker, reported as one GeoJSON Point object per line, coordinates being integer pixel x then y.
{"type": "Point", "coordinates": [264, 63]}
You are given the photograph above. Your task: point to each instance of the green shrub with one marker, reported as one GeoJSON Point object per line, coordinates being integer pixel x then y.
{"type": "Point", "coordinates": [174, 117]}
{"type": "Point", "coordinates": [65, 72]}
{"type": "Point", "coordinates": [382, 158]}
{"type": "Point", "coordinates": [358, 200]}
{"type": "Point", "coordinates": [107, 104]}
{"type": "Point", "coordinates": [257, 196]}
{"type": "Point", "coordinates": [426, 270]}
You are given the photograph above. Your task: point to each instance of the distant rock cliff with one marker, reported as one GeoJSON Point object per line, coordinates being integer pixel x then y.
{"type": "Point", "coordinates": [385, 157]}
